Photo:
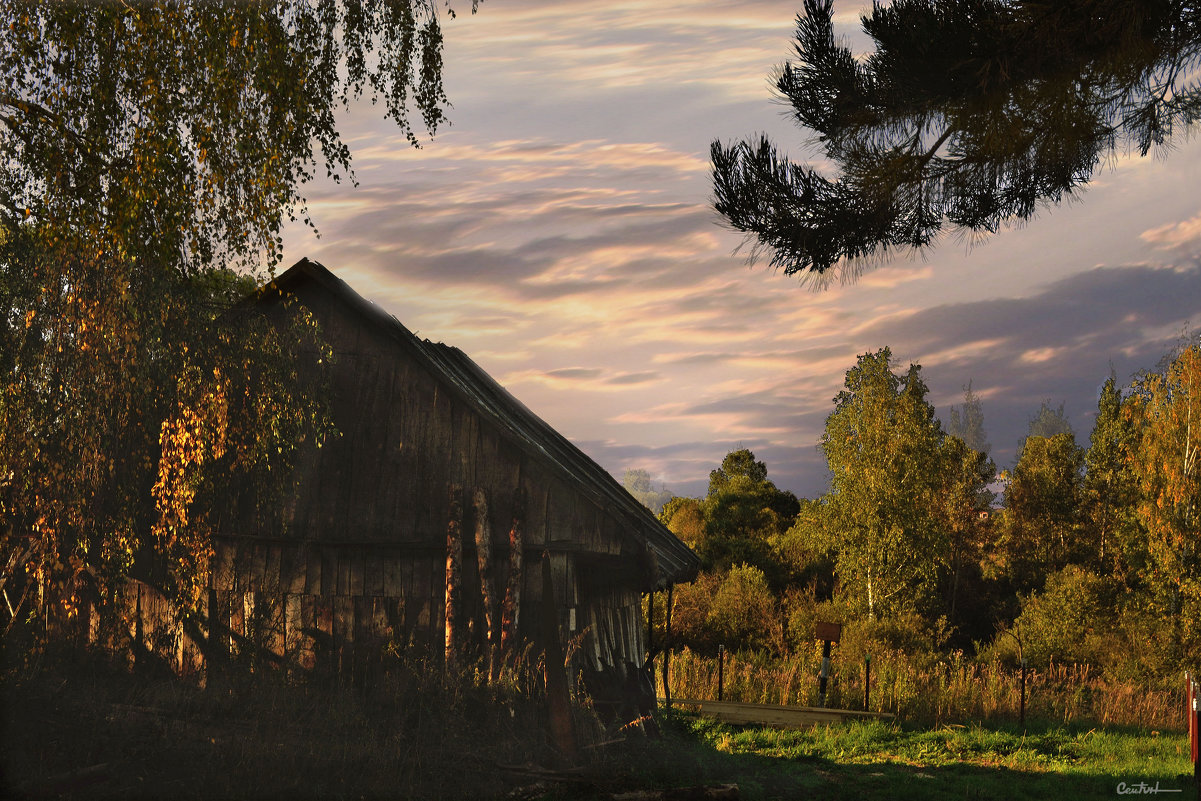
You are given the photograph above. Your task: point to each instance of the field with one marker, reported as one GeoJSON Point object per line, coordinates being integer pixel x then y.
{"type": "Point", "coordinates": [876, 760]}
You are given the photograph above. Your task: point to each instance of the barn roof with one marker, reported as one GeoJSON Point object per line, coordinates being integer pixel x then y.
{"type": "Point", "coordinates": [674, 560]}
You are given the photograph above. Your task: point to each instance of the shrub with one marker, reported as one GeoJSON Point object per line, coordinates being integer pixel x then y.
{"type": "Point", "coordinates": [744, 613]}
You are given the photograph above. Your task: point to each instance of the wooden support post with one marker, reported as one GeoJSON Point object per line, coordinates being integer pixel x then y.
{"type": "Point", "coordinates": [511, 608]}
{"type": "Point", "coordinates": [667, 650]}
{"type": "Point", "coordinates": [483, 552]}
{"type": "Point", "coordinates": [649, 665]}
{"type": "Point", "coordinates": [828, 633]}
{"type": "Point", "coordinates": [650, 622]}
{"type": "Point", "coordinates": [454, 574]}
{"type": "Point", "coordinates": [557, 698]}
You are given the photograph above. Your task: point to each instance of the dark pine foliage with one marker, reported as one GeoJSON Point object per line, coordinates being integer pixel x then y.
{"type": "Point", "coordinates": [968, 114]}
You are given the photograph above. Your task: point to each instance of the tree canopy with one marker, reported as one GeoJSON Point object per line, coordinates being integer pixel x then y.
{"type": "Point", "coordinates": [967, 114]}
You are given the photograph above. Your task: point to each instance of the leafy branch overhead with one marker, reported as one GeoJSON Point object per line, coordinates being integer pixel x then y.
{"type": "Point", "coordinates": [189, 127]}
{"type": "Point", "coordinates": [968, 114]}
{"type": "Point", "coordinates": [150, 154]}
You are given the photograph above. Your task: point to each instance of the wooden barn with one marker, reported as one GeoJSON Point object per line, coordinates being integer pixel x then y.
{"type": "Point", "coordinates": [426, 523]}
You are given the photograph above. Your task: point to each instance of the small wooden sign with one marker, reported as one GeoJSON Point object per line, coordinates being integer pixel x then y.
{"type": "Point", "coordinates": [829, 632]}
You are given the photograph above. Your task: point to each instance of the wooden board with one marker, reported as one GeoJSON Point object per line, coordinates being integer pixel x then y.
{"type": "Point", "coordinates": [223, 576]}
{"type": "Point", "coordinates": [305, 641]}
{"type": "Point", "coordinates": [392, 586]}
{"type": "Point", "coordinates": [259, 568]}
{"type": "Point", "coordinates": [344, 571]}
{"type": "Point", "coordinates": [358, 569]}
{"type": "Point", "coordinates": [828, 632]}
{"type": "Point", "coordinates": [312, 572]}
{"type": "Point", "coordinates": [298, 563]}
{"type": "Point", "coordinates": [373, 579]}
{"type": "Point", "coordinates": [775, 715]}
{"type": "Point", "coordinates": [328, 586]}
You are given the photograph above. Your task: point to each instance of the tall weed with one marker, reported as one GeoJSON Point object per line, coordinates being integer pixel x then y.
{"type": "Point", "coordinates": [954, 689]}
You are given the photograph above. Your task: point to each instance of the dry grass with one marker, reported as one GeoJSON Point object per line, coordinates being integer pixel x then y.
{"type": "Point", "coordinates": [933, 692]}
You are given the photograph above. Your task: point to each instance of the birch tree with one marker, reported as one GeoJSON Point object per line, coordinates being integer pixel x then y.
{"type": "Point", "coordinates": [1167, 410]}
{"type": "Point", "coordinates": [883, 512]}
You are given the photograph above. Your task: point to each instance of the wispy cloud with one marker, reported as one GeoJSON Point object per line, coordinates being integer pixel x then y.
{"type": "Point", "coordinates": [560, 233]}
{"type": "Point", "coordinates": [1183, 235]}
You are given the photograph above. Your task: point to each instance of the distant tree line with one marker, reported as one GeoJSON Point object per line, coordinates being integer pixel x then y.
{"type": "Point", "coordinates": [1088, 553]}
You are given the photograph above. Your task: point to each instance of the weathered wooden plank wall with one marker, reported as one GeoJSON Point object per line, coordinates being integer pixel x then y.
{"type": "Point", "coordinates": [357, 559]}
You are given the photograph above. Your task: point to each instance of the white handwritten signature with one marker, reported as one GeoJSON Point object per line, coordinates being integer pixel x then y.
{"type": "Point", "coordinates": [1142, 788]}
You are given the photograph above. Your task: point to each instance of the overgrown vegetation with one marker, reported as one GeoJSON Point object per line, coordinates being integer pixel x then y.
{"type": "Point", "coordinates": [933, 692]}
{"type": "Point", "coordinates": [77, 725]}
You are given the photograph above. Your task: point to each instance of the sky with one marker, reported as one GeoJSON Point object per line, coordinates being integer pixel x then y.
{"type": "Point", "coordinates": [560, 232]}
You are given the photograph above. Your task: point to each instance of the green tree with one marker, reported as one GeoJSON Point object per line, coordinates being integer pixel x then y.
{"type": "Point", "coordinates": [1110, 492]}
{"type": "Point", "coordinates": [1048, 422]}
{"type": "Point", "coordinates": [967, 422]}
{"type": "Point", "coordinates": [1043, 505]}
{"type": "Point", "coordinates": [1045, 423]}
{"type": "Point", "coordinates": [738, 463]}
{"type": "Point", "coordinates": [744, 513]}
{"type": "Point", "coordinates": [805, 549]}
{"type": "Point", "coordinates": [685, 517]}
{"type": "Point", "coordinates": [883, 447]}
{"type": "Point", "coordinates": [745, 613]}
{"type": "Point", "coordinates": [638, 483]}
{"type": "Point", "coordinates": [967, 113]}
{"type": "Point", "coordinates": [1072, 620]}
{"type": "Point", "coordinates": [144, 150]}
{"type": "Point", "coordinates": [966, 507]}
{"type": "Point", "coordinates": [1166, 408]}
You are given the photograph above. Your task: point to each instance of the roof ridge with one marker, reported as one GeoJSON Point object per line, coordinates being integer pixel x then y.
{"type": "Point", "coordinates": [514, 419]}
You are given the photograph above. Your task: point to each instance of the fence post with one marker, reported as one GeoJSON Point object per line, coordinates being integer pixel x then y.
{"type": "Point", "coordinates": [1023, 711]}
{"type": "Point", "coordinates": [867, 682]}
{"type": "Point", "coordinates": [721, 670]}
{"type": "Point", "coordinates": [825, 673]}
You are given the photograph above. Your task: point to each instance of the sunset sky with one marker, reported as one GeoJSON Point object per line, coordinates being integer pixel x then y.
{"type": "Point", "coordinates": [560, 233]}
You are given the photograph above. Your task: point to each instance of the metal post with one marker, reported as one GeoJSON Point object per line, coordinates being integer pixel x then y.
{"type": "Point", "coordinates": [1189, 709]}
{"type": "Point", "coordinates": [721, 670]}
{"type": "Point", "coordinates": [825, 674]}
{"type": "Point", "coordinates": [867, 682]}
{"type": "Point", "coordinates": [1193, 712]}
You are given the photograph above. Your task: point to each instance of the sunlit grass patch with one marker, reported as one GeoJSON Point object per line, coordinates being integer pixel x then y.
{"type": "Point", "coordinates": [870, 759]}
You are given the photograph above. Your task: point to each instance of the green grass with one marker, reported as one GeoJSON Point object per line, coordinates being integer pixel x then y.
{"type": "Point", "coordinates": [869, 760]}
